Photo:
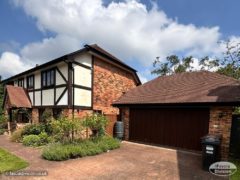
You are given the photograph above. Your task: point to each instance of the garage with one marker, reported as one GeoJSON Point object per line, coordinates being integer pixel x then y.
{"type": "Point", "coordinates": [174, 127]}
{"type": "Point", "coordinates": [177, 110]}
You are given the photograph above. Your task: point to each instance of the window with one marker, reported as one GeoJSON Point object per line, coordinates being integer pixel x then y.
{"type": "Point", "coordinates": [30, 82]}
{"type": "Point", "coordinates": [21, 82]}
{"type": "Point", "coordinates": [48, 78]}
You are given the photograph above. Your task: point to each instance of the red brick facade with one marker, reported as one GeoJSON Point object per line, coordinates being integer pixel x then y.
{"type": "Point", "coordinates": [35, 116]}
{"type": "Point", "coordinates": [219, 124]}
{"type": "Point", "coordinates": [125, 112]}
{"type": "Point", "coordinates": [110, 82]}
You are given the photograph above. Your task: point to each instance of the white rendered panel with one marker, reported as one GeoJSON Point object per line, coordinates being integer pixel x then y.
{"type": "Point", "coordinates": [64, 99]}
{"type": "Point", "coordinates": [63, 68]}
{"type": "Point", "coordinates": [82, 76]}
{"type": "Point", "coordinates": [37, 98]}
{"type": "Point", "coordinates": [37, 80]}
{"type": "Point", "coordinates": [85, 59]}
{"type": "Point", "coordinates": [82, 97]}
{"type": "Point", "coordinates": [59, 91]}
{"type": "Point", "coordinates": [31, 97]}
{"type": "Point", "coordinates": [48, 97]}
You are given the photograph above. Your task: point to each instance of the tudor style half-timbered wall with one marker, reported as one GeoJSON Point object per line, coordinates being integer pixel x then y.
{"type": "Point", "coordinates": [72, 86]}
{"type": "Point", "coordinates": [82, 80]}
{"type": "Point", "coordinates": [53, 95]}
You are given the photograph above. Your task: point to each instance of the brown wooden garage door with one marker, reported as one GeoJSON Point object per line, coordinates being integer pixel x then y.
{"type": "Point", "coordinates": [176, 127]}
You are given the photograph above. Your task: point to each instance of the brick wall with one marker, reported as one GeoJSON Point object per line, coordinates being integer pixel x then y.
{"type": "Point", "coordinates": [125, 118]}
{"type": "Point", "coordinates": [109, 84]}
{"type": "Point", "coordinates": [35, 116]}
{"type": "Point", "coordinates": [220, 124]}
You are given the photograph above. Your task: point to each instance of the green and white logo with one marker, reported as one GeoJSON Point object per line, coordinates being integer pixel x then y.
{"type": "Point", "coordinates": [223, 168]}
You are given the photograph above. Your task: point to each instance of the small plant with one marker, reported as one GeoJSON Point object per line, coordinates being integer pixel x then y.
{"type": "Point", "coordinates": [17, 135]}
{"type": "Point", "coordinates": [34, 129]}
{"type": "Point", "coordinates": [36, 140]}
{"type": "Point", "coordinates": [46, 116]}
{"type": "Point", "coordinates": [31, 140]}
{"type": "Point", "coordinates": [97, 123]}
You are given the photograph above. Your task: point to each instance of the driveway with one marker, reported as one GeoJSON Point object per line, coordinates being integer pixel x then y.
{"type": "Point", "coordinates": [131, 161]}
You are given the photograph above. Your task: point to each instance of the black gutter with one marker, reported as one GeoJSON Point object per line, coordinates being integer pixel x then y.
{"type": "Point", "coordinates": [177, 104]}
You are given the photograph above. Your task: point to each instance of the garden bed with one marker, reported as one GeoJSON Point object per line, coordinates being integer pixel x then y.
{"type": "Point", "coordinates": [90, 147]}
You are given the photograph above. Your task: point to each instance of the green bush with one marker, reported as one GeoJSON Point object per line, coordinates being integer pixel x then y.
{"type": "Point", "coordinates": [31, 140]}
{"type": "Point", "coordinates": [36, 140]}
{"type": "Point", "coordinates": [17, 135]}
{"type": "Point", "coordinates": [64, 129]}
{"type": "Point", "coordinates": [97, 123]}
{"type": "Point", "coordinates": [2, 131]}
{"type": "Point", "coordinates": [64, 151]}
{"type": "Point", "coordinates": [33, 129]}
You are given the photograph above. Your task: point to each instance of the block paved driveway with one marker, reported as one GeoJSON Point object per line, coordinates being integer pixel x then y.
{"type": "Point", "coordinates": [131, 161]}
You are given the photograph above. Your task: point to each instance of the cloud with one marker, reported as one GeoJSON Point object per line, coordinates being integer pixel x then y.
{"type": "Point", "coordinates": [127, 29]}
{"type": "Point", "coordinates": [49, 48]}
{"type": "Point", "coordinates": [10, 64]}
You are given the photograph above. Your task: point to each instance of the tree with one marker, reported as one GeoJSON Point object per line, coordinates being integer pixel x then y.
{"type": "Point", "coordinates": [228, 64]}
{"type": "Point", "coordinates": [172, 65]}
{"type": "Point", "coordinates": [1, 102]}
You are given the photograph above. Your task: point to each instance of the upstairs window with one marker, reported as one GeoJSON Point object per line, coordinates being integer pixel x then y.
{"type": "Point", "coordinates": [48, 78]}
{"type": "Point", "coordinates": [30, 82]}
{"type": "Point", "coordinates": [21, 82]}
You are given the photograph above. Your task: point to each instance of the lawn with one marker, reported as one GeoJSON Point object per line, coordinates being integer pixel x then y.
{"type": "Point", "coordinates": [10, 162]}
{"type": "Point", "coordinates": [236, 176]}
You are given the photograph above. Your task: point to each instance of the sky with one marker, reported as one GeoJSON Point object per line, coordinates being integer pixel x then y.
{"type": "Point", "coordinates": [136, 31]}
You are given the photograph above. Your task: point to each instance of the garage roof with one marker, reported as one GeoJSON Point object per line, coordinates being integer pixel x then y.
{"type": "Point", "coordinates": [189, 87]}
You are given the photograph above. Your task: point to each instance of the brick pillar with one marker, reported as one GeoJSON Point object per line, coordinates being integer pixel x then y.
{"type": "Point", "coordinates": [125, 118]}
{"type": "Point", "coordinates": [35, 116]}
{"type": "Point", "coordinates": [220, 124]}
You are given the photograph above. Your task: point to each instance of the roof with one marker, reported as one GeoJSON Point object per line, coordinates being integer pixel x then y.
{"type": "Point", "coordinates": [17, 97]}
{"type": "Point", "coordinates": [189, 87]}
{"type": "Point", "coordinates": [94, 48]}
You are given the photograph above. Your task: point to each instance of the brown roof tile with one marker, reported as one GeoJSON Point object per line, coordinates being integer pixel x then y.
{"type": "Point", "coordinates": [190, 87]}
{"type": "Point", "coordinates": [17, 97]}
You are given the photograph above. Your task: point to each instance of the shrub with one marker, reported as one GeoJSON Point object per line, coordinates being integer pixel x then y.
{"type": "Point", "coordinates": [17, 135]}
{"type": "Point", "coordinates": [2, 131]}
{"type": "Point", "coordinates": [65, 128]}
{"type": "Point", "coordinates": [97, 123]}
{"type": "Point", "coordinates": [3, 122]}
{"type": "Point", "coordinates": [33, 129]}
{"type": "Point", "coordinates": [108, 143]}
{"type": "Point", "coordinates": [31, 140]}
{"type": "Point", "coordinates": [56, 152]}
{"type": "Point", "coordinates": [36, 140]}
{"type": "Point", "coordinates": [64, 151]}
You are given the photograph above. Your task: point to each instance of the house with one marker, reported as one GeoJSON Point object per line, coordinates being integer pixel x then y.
{"type": "Point", "coordinates": [178, 110]}
{"type": "Point", "coordinates": [87, 80]}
